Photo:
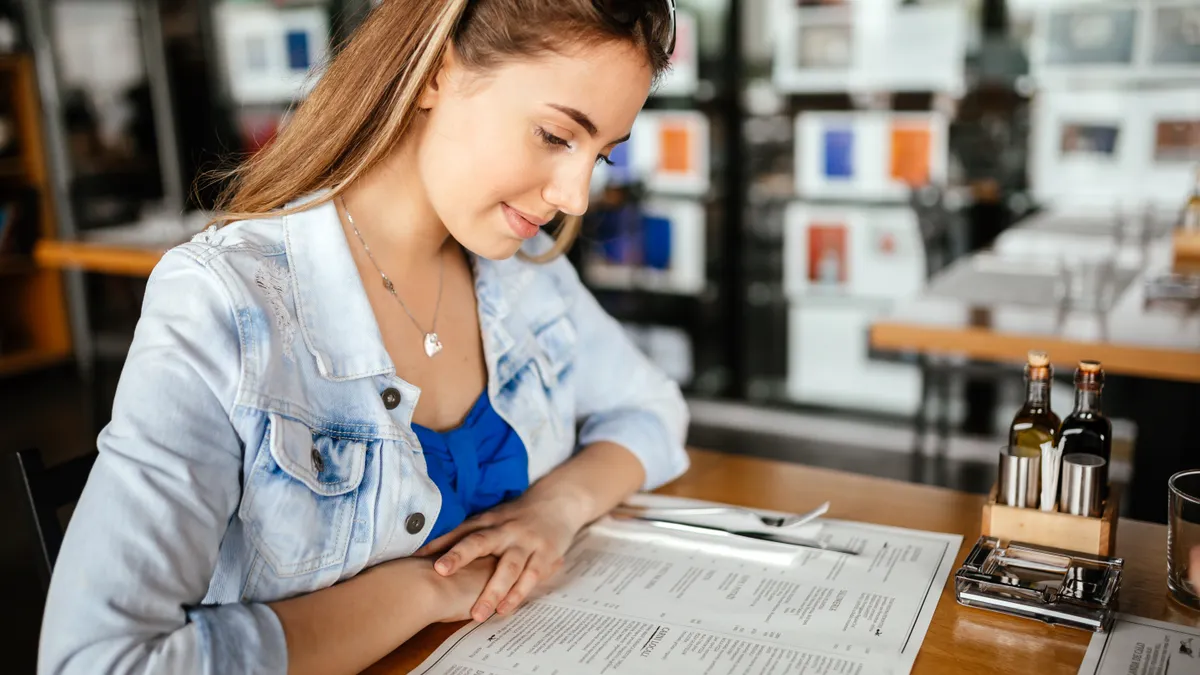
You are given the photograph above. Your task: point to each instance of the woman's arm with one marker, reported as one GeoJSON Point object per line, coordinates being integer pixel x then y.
{"type": "Point", "coordinates": [621, 397]}
{"type": "Point", "coordinates": [141, 549]}
{"type": "Point", "coordinates": [347, 627]}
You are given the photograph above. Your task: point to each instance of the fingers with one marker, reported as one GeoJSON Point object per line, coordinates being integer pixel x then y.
{"type": "Point", "coordinates": [454, 536]}
{"type": "Point", "coordinates": [510, 568]}
{"type": "Point", "coordinates": [1194, 568]}
{"type": "Point", "coordinates": [538, 570]}
{"type": "Point", "coordinates": [475, 545]}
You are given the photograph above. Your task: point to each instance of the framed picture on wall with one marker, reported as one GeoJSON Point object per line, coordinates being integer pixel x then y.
{"type": "Point", "coordinates": [815, 46]}
{"type": "Point", "coordinates": [684, 76]}
{"type": "Point", "coordinates": [1176, 36]}
{"type": "Point", "coordinates": [912, 150]}
{"type": "Point", "coordinates": [838, 147]}
{"type": "Point", "coordinates": [1089, 141]}
{"type": "Point", "coordinates": [269, 54]}
{"type": "Point", "coordinates": [1177, 140]}
{"type": "Point", "coordinates": [1092, 36]}
{"type": "Point", "coordinates": [828, 255]}
{"type": "Point", "coordinates": [825, 46]}
{"type": "Point", "coordinates": [670, 151]}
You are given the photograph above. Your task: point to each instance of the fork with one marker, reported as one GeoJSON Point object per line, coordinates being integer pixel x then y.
{"type": "Point", "coordinates": [778, 522]}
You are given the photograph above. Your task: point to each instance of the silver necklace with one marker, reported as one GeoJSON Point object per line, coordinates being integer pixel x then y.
{"type": "Point", "coordinates": [433, 344]}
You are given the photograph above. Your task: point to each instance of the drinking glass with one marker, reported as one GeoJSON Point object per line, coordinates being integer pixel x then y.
{"type": "Point", "coordinates": [1183, 534]}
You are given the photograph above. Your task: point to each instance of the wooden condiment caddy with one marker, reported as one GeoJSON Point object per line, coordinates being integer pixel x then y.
{"type": "Point", "coordinates": [1097, 536]}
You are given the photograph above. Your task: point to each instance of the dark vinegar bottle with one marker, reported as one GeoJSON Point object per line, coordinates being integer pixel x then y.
{"type": "Point", "coordinates": [1086, 429]}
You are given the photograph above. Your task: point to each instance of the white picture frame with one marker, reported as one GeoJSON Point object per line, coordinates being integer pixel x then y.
{"type": "Point", "coordinates": [879, 257]}
{"type": "Point", "coordinates": [683, 78]}
{"type": "Point", "coordinates": [683, 169]}
{"type": "Point", "coordinates": [258, 47]}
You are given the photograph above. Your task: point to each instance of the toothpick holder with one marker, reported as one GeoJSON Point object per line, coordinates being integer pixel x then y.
{"type": "Point", "coordinates": [1096, 536]}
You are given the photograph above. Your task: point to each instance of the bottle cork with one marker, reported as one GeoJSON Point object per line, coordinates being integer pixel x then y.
{"type": "Point", "coordinates": [1038, 359]}
{"type": "Point", "coordinates": [1089, 366]}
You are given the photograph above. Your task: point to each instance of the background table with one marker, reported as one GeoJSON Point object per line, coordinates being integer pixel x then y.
{"type": "Point", "coordinates": [961, 640]}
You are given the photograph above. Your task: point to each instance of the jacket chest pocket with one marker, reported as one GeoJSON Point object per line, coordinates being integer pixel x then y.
{"type": "Point", "coordinates": [298, 507]}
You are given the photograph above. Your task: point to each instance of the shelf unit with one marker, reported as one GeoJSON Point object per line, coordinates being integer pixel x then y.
{"type": "Point", "coordinates": [34, 327]}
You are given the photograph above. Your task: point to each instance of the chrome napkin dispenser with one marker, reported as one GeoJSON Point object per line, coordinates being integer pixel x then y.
{"type": "Point", "coordinates": [1052, 585]}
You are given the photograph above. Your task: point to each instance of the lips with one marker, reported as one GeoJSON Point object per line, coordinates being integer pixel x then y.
{"type": "Point", "coordinates": [522, 224]}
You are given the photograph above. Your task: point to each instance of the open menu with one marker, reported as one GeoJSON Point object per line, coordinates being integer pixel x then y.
{"type": "Point", "coordinates": [1137, 646]}
{"type": "Point", "coordinates": [635, 599]}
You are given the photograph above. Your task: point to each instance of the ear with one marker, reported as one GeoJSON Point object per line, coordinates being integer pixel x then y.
{"type": "Point", "coordinates": [441, 79]}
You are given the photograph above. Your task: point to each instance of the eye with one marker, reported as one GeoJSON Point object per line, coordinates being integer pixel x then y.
{"type": "Point", "coordinates": [602, 158]}
{"type": "Point", "coordinates": [550, 139]}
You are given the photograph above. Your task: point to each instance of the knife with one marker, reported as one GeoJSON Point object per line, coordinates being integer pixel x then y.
{"type": "Point", "coordinates": [748, 534]}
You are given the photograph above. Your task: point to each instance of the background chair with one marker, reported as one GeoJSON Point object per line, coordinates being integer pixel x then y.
{"type": "Point", "coordinates": [44, 491]}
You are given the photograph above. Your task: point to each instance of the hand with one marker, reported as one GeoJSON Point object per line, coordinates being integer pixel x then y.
{"type": "Point", "coordinates": [1194, 568]}
{"type": "Point", "coordinates": [529, 537]}
{"type": "Point", "coordinates": [456, 595]}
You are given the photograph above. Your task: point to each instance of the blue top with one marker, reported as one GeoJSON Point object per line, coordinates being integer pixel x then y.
{"type": "Point", "coordinates": [475, 466]}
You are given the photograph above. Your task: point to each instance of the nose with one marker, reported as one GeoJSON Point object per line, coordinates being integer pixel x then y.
{"type": "Point", "coordinates": [568, 189]}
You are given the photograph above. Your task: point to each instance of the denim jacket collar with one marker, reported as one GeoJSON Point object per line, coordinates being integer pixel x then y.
{"type": "Point", "coordinates": [335, 317]}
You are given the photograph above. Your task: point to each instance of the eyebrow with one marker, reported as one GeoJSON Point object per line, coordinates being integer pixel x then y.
{"type": "Point", "coordinates": [584, 121]}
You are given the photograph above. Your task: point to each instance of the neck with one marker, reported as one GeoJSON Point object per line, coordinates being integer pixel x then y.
{"type": "Point", "coordinates": [1087, 400]}
{"type": "Point", "coordinates": [391, 210]}
{"type": "Point", "coordinates": [1037, 393]}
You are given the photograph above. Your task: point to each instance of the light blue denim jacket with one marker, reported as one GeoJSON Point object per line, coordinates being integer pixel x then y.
{"type": "Point", "coordinates": [251, 456]}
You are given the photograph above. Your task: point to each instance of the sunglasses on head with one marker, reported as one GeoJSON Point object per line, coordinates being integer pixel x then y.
{"type": "Point", "coordinates": [626, 13]}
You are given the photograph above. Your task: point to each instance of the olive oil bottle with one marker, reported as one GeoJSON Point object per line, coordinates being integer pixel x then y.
{"type": "Point", "coordinates": [1035, 425]}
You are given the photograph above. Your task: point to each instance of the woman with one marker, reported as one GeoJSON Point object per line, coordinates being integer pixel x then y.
{"type": "Point", "coordinates": [378, 346]}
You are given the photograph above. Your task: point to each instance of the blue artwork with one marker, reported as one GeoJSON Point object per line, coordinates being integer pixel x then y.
{"type": "Point", "coordinates": [297, 50]}
{"type": "Point", "coordinates": [616, 235]}
{"type": "Point", "coordinates": [621, 172]}
{"type": "Point", "coordinates": [656, 242]}
{"type": "Point", "coordinates": [839, 153]}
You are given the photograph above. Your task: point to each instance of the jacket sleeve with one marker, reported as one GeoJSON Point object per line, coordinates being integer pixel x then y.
{"type": "Point", "coordinates": [620, 396]}
{"type": "Point", "coordinates": [142, 544]}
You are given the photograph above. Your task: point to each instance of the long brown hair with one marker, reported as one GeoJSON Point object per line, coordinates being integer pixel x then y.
{"type": "Point", "coordinates": [368, 96]}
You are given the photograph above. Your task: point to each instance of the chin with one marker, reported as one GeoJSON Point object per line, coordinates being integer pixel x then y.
{"type": "Point", "coordinates": [497, 248]}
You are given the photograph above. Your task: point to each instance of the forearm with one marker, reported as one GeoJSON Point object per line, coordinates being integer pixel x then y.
{"type": "Point", "coordinates": [347, 627]}
{"type": "Point", "coordinates": [592, 482]}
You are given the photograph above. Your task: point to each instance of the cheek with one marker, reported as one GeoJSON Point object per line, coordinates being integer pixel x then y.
{"type": "Point", "coordinates": [469, 168]}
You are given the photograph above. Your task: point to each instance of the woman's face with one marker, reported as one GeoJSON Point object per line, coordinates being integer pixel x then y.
{"type": "Point", "coordinates": [502, 153]}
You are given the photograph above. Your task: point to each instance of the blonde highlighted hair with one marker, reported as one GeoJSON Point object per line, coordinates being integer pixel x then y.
{"type": "Point", "coordinates": [367, 99]}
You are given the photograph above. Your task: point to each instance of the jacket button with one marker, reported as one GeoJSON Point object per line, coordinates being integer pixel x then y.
{"type": "Point", "coordinates": [415, 523]}
{"type": "Point", "coordinates": [391, 398]}
{"type": "Point", "coordinates": [318, 462]}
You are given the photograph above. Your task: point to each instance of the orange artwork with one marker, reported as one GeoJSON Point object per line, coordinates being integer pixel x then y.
{"type": "Point", "coordinates": [675, 148]}
{"type": "Point", "coordinates": [827, 253]}
{"type": "Point", "coordinates": [910, 154]}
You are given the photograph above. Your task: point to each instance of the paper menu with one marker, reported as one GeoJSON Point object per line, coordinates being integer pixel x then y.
{"type": "Point", "coordinates": [632, 599]}
{"type": "Point", "coordinates": [1137, 646]}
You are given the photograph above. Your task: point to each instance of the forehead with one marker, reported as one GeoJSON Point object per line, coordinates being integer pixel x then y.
{"type": "Point", "coordinates": [608, 82]}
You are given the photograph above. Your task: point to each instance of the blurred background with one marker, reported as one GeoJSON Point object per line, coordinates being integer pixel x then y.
{"type": "Point", "coordinates": [839, 225]}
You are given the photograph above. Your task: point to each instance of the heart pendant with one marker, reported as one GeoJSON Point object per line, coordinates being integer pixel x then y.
{"type": "Point", "coordinates": [432, 345]}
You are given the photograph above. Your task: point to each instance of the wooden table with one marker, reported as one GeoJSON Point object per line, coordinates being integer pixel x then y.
{"type": "Point", "coordinates": [96, 257]}
{"type": "Point", "coordinates": [961, 640]}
